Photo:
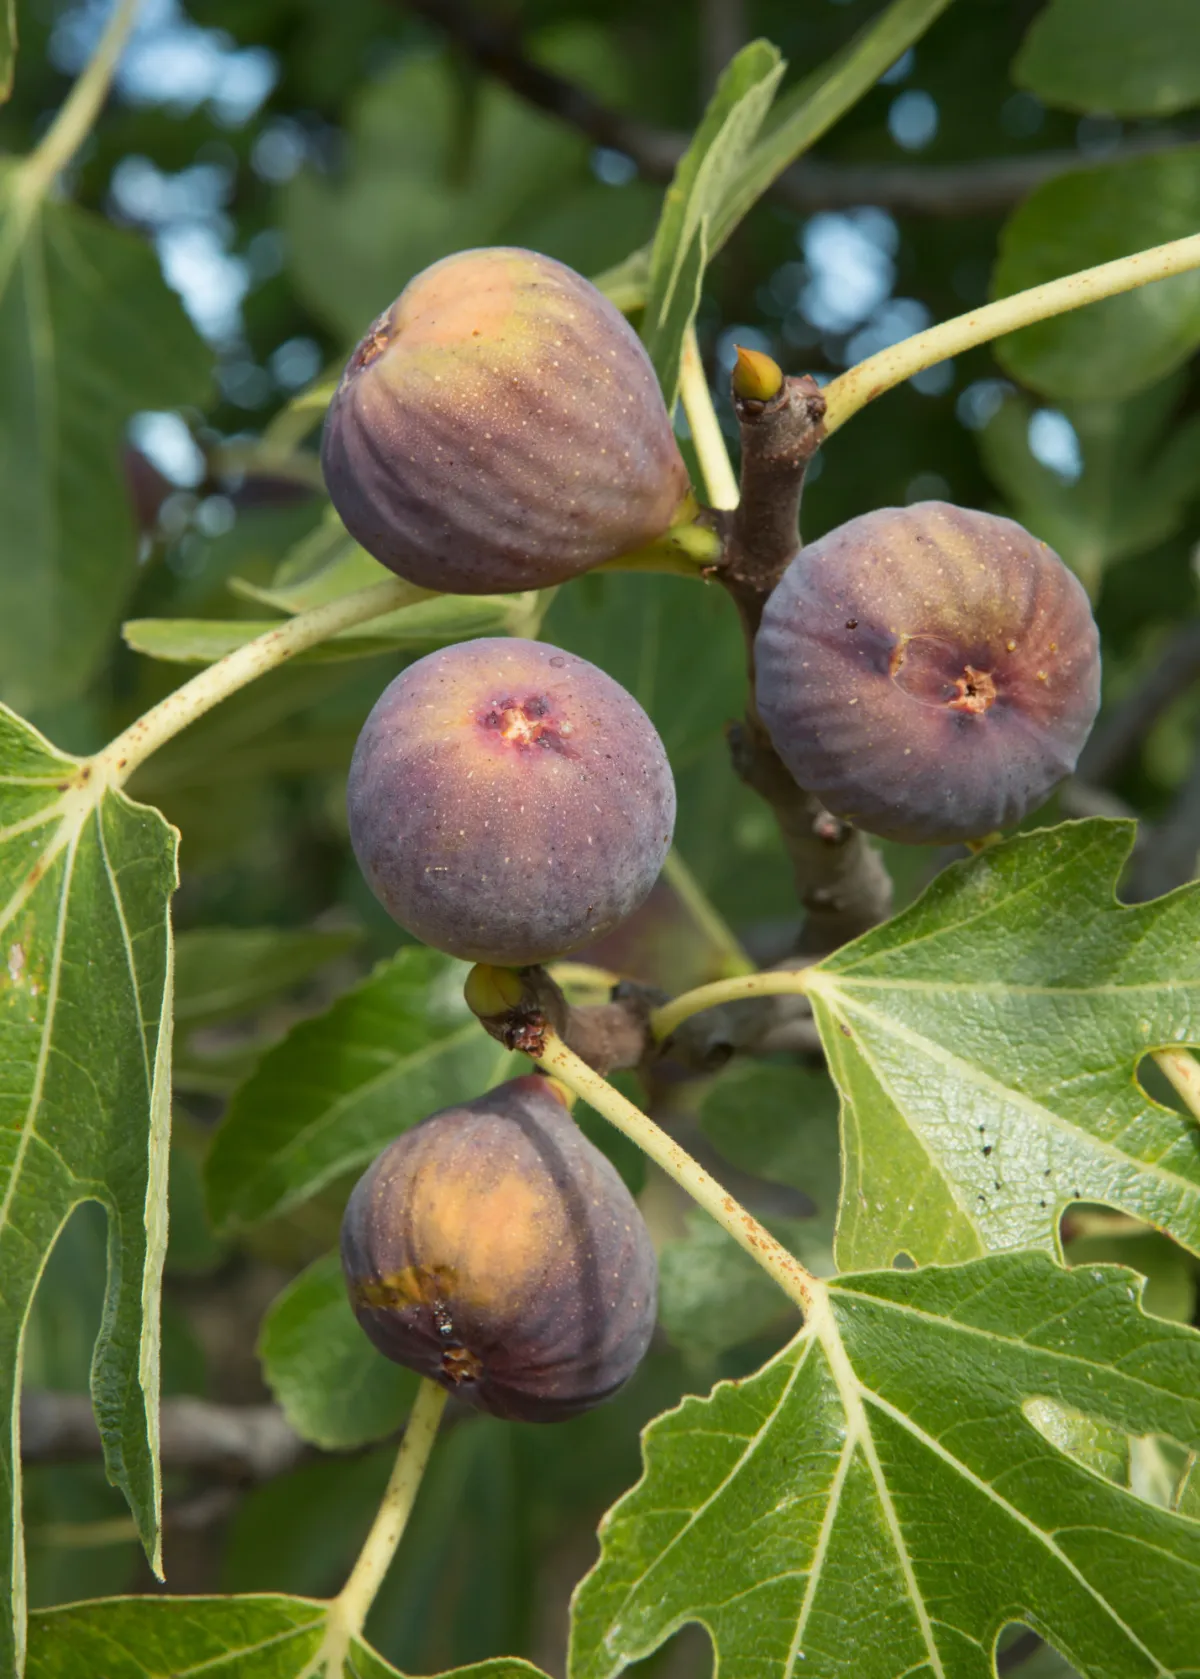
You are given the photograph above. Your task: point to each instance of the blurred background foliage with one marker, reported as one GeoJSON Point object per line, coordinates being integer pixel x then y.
{"type": "Point", "coordinates": [290, 164]}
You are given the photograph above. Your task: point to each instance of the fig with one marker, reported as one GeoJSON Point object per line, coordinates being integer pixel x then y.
{"type": "Point", "coordinates": [508, 801]}
{"type": "Point", "coordinates": [929, 672]}
{"type": "Point", "coordinates": [500, 427]}
{"type": "Point", "coordinates": [496, 1250]}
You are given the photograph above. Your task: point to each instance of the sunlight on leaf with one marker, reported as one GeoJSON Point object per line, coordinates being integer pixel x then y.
{"type": "Point", "coordinates": [85, 1034]}
{"type": "Point", "coordinates": [985, 1043]}
{"type": "Point", "coordinates": [267, 1637]}
{"type": "Point", "coordinates": [895, 1509]}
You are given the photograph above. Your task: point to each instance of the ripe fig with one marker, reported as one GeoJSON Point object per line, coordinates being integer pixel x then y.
{"type": "Point", "coordinates": [929, 672]}
{"type": "Point", "coordinates": [496, 1250]}
{"type": "Point", "coordinates": [508, 801]}
{"type": "Point", "coordinates": [500, 427]}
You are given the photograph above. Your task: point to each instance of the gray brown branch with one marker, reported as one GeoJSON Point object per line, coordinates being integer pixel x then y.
{"type": "Point", "coordinates": [841, 882]}
{"type": "Point", "coordinates": [243, 1443]}
{"type": "Point", "coordinates": [983, 187]}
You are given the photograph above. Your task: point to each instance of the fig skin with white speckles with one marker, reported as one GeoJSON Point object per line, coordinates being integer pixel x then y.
{"type": "Point", "coordinates": [508, 801]}
{"type": "Point", "coordinates": [500, 428]}
{"type": "Point", "coordinates": [929, 672]}
{"type": "Point", "coordinates": [495, 1250]}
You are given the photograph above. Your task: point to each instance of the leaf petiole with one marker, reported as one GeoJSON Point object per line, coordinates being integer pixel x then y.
{"type": "Point", "coordinates": [117, 762]}
{"type": "Point", "coordinates": [719, 479]}
{"type": "Point", "coordinates": [80, 109]}
{"type": "Point", "coordinates": [796, 1282]}
{"type": "Point", "coordinates": [853, 389]}
{"type": "Point", "coordinates": [350, 1607]}
{"type": "Point", "coordinates": [775, 982]}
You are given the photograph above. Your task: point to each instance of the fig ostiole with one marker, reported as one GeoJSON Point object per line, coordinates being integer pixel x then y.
{"type": "Point", "coordinates": [930, 672]}
{"type": "Point", "coordinates": [509, 801]}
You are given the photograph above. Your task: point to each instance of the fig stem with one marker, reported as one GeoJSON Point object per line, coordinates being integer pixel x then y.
{"type": "Point", "coordinates": [707, 436]}
{"type": "Point", "coordinates": [78, 111]}
{"type": "Point", "coordinates": [117, 762]}
{"type": "Point", "coordinates": [1183, 1070]}
{"type": "Point", "coordinates": [773, 982]}
{"type": "Point", "coordinates": [348, 1611]}
{"type": "Point", "coordinates": [797, 1283]}
{"type": "Point", "coordinates": [852, 390]}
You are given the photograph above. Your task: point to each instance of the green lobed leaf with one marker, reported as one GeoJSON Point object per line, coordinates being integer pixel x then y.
{"type": "Point", "coordinates": [1140, 474]}
{"type": "Point", "coordinates": [328, 1097]}
{"type": "Point", "coordinates": [1105, 55]}
{"type": "Point", "coordinates": [334, 1387]}
{"type": "Point", "coordinates": [702, 181]}
{"type": "Point", "coordinates": [986, 1042]}
{"type": "Point", "coordinates": [893, 1504]}
{"type": "Point", "coordinates": [89, 334]}
{"type": "Point", "coordinates": [226, 971]}
{"type": "Point", "coordinates": [86, 876]}
{"type": "Point", "coordinates": [267, 1637]}
{"type": "Point", "coordinates": [1118, 346]}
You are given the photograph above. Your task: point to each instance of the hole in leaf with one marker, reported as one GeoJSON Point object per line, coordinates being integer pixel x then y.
{"type": "Point", "coordinates": [687, 1655]}
{"type": "Point", "coordinates": [1151, 1466]}
{"type": "Point", "coordinates": [1019, 1650]}
{"type": "Point", "coordinates": [904, 1262]}
{"type": "Point", "coordinates": [1156, 1087]}
{"type": "Point", "coordinates": [1092, 1233]}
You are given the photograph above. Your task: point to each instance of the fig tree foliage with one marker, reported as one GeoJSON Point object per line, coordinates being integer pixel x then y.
{"type": "Point", "coordinates": [921, 1394]}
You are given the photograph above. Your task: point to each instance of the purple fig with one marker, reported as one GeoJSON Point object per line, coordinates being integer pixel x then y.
{"type": "Point", "coordinates": [500, 427]}
{"type": "Point", "coordinates": [929, 672]}
{"type": "Point", "coordinates": [496, 1250]}
{"type": "Point", "coordinates": [508, 801]}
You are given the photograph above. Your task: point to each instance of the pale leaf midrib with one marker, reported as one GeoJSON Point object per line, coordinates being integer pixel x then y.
{"type": "Point", "coordinates": [902, 1420]}
{"type": "Point", "coordinates": [31, 1114]}
{"type": "Point", "coordinates": [936, 1165]}
{"type": "Point", "coordinates": [1016, 1343]}
{"type": "Point", "coordinates": [752, 1442]}
{"type": "Point", "coordinates": [850, 1392]}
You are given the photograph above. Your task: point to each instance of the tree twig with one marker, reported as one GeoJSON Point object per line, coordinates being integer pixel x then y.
{"type": "Point", "coordinates": [869, 379]}
{"type": "Point", "coordinates": [840, 879]}
{"type": "Point", "coordinates": [987, 186]}
{"type": "Point", "coordinates": [229, 1442]}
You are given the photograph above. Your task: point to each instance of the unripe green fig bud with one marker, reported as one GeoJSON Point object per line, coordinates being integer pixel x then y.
{"type": "Point", "coordinates": [494, 1249]}
{"type": "Point", "coordinates": [500, 428]}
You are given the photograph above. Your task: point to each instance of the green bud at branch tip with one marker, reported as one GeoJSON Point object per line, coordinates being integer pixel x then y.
{"type": "Point", "coordinates": [756, 378]}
